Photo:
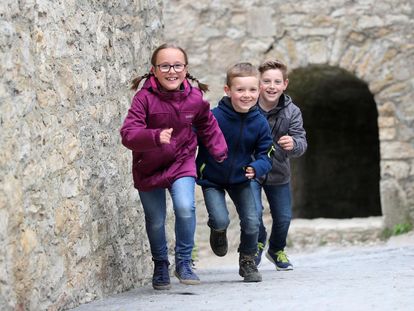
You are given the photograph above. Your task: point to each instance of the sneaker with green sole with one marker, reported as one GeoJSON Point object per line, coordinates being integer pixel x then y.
{"type": "Point", "coordinates": [279, 259]}
{"type": "Point", "coordinates": [258, 257]}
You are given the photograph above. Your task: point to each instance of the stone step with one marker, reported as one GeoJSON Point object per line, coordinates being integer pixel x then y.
{"type": "Point", "coordinates": [303, 233]}
{"type": "Point", "coordinates": [310, 233]}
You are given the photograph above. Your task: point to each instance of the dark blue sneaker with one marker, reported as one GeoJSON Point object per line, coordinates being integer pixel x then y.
{"type": "Point", "coordinates": [258, 256]}
{"type": "Point", "coordinates": [279, 259]}
{"type": "Point", "coordinates": [161, 277]}
{"type": "Point", "coordinates": [185, 273]}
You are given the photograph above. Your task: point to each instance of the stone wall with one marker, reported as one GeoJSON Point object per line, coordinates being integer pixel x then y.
{"type": "Point", "coordinates": [70, 226]}
{"type": "Point", "coordinates": [372, 40]}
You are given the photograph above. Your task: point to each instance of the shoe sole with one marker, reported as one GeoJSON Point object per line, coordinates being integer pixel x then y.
{"type": "Point", "coordinates": [218, 253]}
{"type": "Point", "coordinates": [161, 287]}
{"type": "Point", "coordinates": [249, 279]}
{"type": "Point", "coordinates": [256, 277]}
{"type": "Point", "coordinates": [277, 267]}
{"type": "Point", "coordinates": [284, 269]}
{"type": "Point", "coordinates": [252, 280]}
{"type": "Point", "coordinates": [187, 282]}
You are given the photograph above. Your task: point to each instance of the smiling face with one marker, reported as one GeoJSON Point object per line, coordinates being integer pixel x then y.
{"type": "Point", "coordinates": [170, 80]}
{"type": "Point", "coordinates": [272, 86]}
{"type": "Point", "coordinates": [243, 92]}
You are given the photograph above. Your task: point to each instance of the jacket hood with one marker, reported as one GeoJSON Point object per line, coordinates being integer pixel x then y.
{"type": "Point", "coordinates": [225, 105]}
{"type": "Point", "coordinates": [284, 101]}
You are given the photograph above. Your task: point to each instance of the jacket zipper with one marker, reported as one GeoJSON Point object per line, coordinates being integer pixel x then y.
{"type": "Point", "coordinates": [236, 147]}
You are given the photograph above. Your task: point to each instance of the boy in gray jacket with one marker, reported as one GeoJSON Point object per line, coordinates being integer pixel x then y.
{"type": "Point", "coordinates": [289, 138]}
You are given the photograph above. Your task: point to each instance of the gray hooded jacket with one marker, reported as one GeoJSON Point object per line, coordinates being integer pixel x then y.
{"type": "Point", "coordinates": [284, 119]}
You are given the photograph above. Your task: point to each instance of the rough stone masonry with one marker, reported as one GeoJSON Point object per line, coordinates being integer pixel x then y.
{"type": "Point", "coordinates": [70, 226]}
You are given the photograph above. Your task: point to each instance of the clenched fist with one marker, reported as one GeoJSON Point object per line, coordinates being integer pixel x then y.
{"type": "Point", "coordinates": [165, 136]}
{"type": "Point", "coordinates": [286, 142]}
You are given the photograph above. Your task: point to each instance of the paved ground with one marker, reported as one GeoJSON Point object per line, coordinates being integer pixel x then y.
{"type": "Point", "coordinates": [375, 277]}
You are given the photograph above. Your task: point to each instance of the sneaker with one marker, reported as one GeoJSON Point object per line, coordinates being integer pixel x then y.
{"type": "Point", "coordinates": [184, 272]}
{"type": "Point", "coordinates": [258, 257]}
{"type": "Point", "coordinates": [218, 242]}
{"type": "Point", "coordinates": [279, 259]}
{"type": "Point", "coordinates": [248, 269]}
{"type": "Point", "coordinates": [161, 277]}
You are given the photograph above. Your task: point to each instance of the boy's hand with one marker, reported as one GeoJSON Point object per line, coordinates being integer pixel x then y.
{"type": "Point", "coordinates": [165, 136]}
{"type": "Point", "coordinates": [286, 142]}
{"type": "Point", "coordinates": [250, 172]}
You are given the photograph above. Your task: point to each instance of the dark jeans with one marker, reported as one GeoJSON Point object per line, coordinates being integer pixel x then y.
{"type": "Point", "coordinates": [280, 203]}
{"type": "Point", "coordinates": [218, 215]}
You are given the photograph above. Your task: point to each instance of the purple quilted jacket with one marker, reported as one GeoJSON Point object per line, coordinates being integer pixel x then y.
{"type": "Point", "coordinates": [157, 165]}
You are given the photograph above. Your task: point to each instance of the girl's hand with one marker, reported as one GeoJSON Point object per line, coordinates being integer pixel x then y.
{"type": "Point", "coordinates": [286, 142]}
{"type": "Point", "coordinates": [250, 172]}
{"type": "Point", "coordinates": [165, 136]}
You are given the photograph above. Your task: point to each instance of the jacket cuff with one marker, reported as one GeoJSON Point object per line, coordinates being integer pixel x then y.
{"type": "Point", "coordinates": [157, 137]}
{"type": "Point", "coordinates": [221, 157]}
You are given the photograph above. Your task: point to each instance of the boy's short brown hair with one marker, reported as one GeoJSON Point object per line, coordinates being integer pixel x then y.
{"type": "Point", "coordinates": [241, 70]}
{"type": "Point", "coordinates": [274, 64]}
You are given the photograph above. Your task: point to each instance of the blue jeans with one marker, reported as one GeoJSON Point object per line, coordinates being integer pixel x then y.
{"type": "Point", "coordinates": [218, 215]}
{"type": "Point", "coordinates": [155, 209]}
{"type": "Point", "coordinates": [280, 204]}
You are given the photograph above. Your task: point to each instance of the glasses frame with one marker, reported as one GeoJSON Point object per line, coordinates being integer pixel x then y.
{"type": "Point", "coordinates": [171, 66]}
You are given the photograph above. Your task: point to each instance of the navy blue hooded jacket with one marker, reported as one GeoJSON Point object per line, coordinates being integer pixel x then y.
{"type": "Point", "coordinates": [249, 144]}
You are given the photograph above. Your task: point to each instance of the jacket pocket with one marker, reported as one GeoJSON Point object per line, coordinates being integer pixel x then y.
{"type": "Point", "coordinates": [161, 120]}
{"type": "Point", "coordinates": [279, 154]}
{"type": "Point", "coordinates": [187, 117]}
{"type": "Point", "coordinates": [157, 159]}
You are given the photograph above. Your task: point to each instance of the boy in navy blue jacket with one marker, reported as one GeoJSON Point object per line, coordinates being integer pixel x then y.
{"type": "Point", "coordinates": [250, 146]}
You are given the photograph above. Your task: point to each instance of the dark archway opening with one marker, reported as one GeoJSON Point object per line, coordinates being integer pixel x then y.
{"type": "Point", "coordinates": [338, 177]}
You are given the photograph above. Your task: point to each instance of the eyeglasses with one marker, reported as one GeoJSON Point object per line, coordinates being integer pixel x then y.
{"type": "Point", "coordinates": [167, 67]}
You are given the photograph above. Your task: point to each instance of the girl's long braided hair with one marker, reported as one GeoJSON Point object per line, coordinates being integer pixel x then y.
{"type": "Point", "coordinates": [135, 82]}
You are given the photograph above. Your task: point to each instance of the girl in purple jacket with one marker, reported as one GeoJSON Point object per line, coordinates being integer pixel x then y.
{"type": "Point", "coordinates": [161, 129]}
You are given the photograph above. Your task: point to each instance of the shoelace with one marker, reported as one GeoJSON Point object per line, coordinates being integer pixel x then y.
{"type": "Point", "coordinates": [185, 267]}
{"type": "Point", "coordinates": [159, 269]}
{"type": "Point", "coordinates": [281, 256]}
{"type": "Point", "coordinates": [249, 263]}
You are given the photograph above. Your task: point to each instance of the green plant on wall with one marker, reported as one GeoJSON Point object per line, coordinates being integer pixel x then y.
{"type": "Point", "coordinates": [401, 228]}
{"type": "Point", "coordinates": [397, 229]}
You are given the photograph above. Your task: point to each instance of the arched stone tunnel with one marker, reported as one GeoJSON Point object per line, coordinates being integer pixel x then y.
{"type": "Point", "coordinates": [338, 177]}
